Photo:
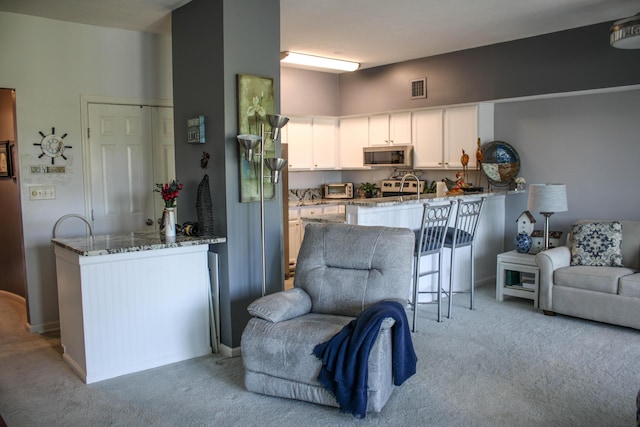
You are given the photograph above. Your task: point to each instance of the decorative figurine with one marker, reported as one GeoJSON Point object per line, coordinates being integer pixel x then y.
{"type": "Point", "coordinates": [479, 160]}
{"type": "Point", "coordinates": [465, 161]}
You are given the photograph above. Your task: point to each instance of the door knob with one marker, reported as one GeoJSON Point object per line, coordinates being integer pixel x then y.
{"type": "Point", "coordinates": [149, 221]}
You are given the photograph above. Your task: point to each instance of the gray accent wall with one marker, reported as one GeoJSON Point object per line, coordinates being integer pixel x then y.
{"type": "Point", "coordinates": [565, 61]}
{"type": "Point", "coordinates": [213, 42]}
{"type": "Point", "coordinates": [312, 93]}
{"type": "Point", "coordinates": [589, 142]}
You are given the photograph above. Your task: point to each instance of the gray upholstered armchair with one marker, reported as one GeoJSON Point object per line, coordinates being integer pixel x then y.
{"type": "Point", "coordinates": [341, 270]}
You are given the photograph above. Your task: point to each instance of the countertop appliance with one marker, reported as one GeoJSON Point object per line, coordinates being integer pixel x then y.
{"type": "Point", "coordinates": [388, 156]}
{"type": "Point", "coordinates": [391, 187]}
{"type": "Point", "coordinates": [338, 190]}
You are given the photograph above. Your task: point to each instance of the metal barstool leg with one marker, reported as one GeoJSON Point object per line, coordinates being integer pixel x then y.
{"type": "Point", "coordinates": [440, 287]}
{"type": "Point", "coordinates": [416, 278]}
{"type": "Point", "coordinates": [473, 281]}
{"type": "Point", "coordinates": [451, 276]}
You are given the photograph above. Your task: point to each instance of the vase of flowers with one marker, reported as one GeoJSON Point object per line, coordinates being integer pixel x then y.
{"type": "Point", "coordinates": [520, 182]}
{"type": "Point", "coordinates": [169, 192]}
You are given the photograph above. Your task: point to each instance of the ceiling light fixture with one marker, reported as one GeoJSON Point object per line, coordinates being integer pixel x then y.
{"type": "Point", "coordinates": [625, 33]}
{"type": "Point", "coordinates": [318, 61]}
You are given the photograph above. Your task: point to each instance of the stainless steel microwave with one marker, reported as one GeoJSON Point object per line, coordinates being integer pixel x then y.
{"type": "Point", "coordinates": [392, 155]}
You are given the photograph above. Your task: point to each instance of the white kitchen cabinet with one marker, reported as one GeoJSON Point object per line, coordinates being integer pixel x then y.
{"type": "Point", "coordinates": [440, 135]}
{"type": "Point", "coordinates": [353, 137]}
{"type": "Point", "coordinates": [460, 133]}
{"type": "Point", "coordinates": [295, 239]}
{"type": "Point", "coordinates": [313, 143]}
{"type": "Point", "coordinates": [299, 137]}
{"type": "Point", "coordinates": [332, 209]}
{"type": "Point", "coordinates": [428, 139]}
{"type": "Point", "coordinates": [325, 143]}
{"type": "Point", "coordinates": [390, 129]}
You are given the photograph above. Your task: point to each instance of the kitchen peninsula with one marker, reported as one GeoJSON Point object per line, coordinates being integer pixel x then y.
{"type": "Point", "coordinates": [132, 302]}
{"type": "Point", "coordinates": [406, 211]}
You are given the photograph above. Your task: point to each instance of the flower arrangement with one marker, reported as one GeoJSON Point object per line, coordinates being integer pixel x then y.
{"type": "Point", "coordinates": [169, 192]}
{"type": "Point", "coordinates": [520, 180]}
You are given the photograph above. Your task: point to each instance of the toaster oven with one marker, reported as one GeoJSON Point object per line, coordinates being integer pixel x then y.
{"type": "Point", "coordinates": [338, 190]}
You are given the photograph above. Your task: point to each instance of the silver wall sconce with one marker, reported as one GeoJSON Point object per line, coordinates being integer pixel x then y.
{"type": "Point", "coordinates": [274, 164]}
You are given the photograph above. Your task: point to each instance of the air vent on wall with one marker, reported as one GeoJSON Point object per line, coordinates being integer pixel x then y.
{"type": "Point", "coordinates": [419, 88]}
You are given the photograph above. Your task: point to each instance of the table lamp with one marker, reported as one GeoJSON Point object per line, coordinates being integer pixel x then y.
{"type": "Point", "coordinates": [547, 199]}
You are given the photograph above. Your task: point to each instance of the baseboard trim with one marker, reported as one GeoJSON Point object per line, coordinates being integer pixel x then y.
{"type": "Point", "coordinates": [227, 351]}
{"type": "Point", "coordinates": [43, 328]}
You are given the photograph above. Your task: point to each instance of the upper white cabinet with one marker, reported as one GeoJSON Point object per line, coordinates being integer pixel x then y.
{"type": "Point", "coordinates": [460, 133]}
{"type": "Point", "coordinates": [354, 136]}
{"type": "Point", "coordinates": [313, 143]}
{"type": "Point", "coordinates": [298, 136]}
{"type": "Point", "coordinates": [390, 129]}
{"type": "Point", "coordinates": [428, 138]}
{"type": "Point", "coordinates": [325, 143]}
{"type": "Point", "coordinates": [440, 135]}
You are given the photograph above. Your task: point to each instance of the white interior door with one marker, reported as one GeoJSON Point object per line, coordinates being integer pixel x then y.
{"type": "Point", "coordinates": [121, 153]}
{"type": "Point", "coordinates": [164, 165]}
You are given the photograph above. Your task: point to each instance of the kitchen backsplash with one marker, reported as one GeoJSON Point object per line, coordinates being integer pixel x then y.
{"type": "Point", "coordinates": [298, 194]}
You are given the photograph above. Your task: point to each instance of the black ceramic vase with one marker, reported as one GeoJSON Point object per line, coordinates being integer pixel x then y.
{"type": "Point", "coordinates": [204, 208]}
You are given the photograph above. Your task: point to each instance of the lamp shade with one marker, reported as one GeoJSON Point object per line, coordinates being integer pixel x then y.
{"type": "Point", "coordinates": [547, 198]}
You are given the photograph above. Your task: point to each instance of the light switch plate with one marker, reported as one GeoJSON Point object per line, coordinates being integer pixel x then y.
{"type": "Point", "coordinates": [42, 192]}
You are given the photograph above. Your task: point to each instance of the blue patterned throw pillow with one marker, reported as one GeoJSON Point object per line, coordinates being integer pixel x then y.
{"type": "Point", "coordinates": [597, 244]}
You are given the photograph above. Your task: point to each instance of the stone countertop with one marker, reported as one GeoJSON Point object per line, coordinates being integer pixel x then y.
{"type": "Point", "coordinates": [131, 242]}
{"type": "Point", "coordinates": [327, 218]}
{"type": "Point", "coordinates": [314, 202]}
{"type": "Point", "coordinates": [375, 202]}
{"type": "Point", "coordinates": [394, 200]}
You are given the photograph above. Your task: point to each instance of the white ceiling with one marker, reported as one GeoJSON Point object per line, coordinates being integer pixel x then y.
{"type": "Point", "coordinates": [372, 32]}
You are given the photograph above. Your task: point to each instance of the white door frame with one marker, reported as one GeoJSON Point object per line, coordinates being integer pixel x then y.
{"type": "Point", "coordinates": [85, 100]}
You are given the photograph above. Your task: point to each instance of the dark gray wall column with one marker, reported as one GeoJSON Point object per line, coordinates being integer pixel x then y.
{"type": "Point", "coordinates": [213, 41]}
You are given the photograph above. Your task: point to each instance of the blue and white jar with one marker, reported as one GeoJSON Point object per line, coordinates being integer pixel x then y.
{"type": "Point", "coordinates": [523, 243]}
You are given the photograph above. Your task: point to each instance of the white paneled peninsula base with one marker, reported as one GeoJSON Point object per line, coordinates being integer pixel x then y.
{"type": "Point", "coordinates": [132, 302]}
{"type": "Point", "coordinates": [406, 211]}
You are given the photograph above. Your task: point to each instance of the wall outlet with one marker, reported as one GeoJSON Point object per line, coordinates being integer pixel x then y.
{"type": "Point", "coordinates": [42, 192]}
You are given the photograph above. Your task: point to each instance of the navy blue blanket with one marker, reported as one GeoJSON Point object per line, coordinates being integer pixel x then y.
{"type": "Point", "coordinates": [345, 356]}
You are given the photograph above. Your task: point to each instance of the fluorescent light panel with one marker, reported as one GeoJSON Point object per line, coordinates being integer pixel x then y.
{"type": "Point", "coordinates": [318, 61]}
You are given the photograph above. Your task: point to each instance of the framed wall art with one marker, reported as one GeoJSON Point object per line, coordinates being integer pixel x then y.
{"type": "Point", "coordinates": [5, 160]}
{"type": "Point", "coordinates": [255, 101]}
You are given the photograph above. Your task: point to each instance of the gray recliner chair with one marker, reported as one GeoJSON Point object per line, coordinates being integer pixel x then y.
{"type": "Point", "coordinates": [341, 270]}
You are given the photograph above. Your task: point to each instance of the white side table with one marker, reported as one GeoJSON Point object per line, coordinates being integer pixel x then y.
{"type": "Point", "coordinates": [517, 275]}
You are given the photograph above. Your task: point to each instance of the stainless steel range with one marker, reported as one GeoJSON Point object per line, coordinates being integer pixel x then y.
{"type": "Point", "coordinates": [391, 187]}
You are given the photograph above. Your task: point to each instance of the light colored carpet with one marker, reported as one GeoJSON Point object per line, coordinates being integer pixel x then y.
{"type": "Point", "coordinates": [503, 364]}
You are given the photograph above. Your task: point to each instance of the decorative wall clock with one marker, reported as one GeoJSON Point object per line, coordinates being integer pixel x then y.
{"type": "Point", "coordinates": [52, 146]}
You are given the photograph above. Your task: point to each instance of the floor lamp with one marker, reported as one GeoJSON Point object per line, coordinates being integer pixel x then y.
{"type": "Point", "coordinates": [547, 199]}
{"type": "Point", "coordinates": [274, 164]}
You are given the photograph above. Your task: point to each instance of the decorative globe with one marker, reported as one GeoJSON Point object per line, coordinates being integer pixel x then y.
{"type": "Point", "coordinates": [501, 163]}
